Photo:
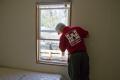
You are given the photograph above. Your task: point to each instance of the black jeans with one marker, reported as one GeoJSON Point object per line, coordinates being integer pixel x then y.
{"type": "Point", "coordinates": [78, 66]}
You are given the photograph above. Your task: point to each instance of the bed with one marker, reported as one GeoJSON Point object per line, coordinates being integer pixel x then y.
{"type": "Point", "coordinates": [17, 74]}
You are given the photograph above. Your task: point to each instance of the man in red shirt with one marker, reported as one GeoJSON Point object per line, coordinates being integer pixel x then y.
{"type": "Point", "coordinates": [72, 39]}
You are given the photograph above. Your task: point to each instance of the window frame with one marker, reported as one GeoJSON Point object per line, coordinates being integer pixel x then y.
{"type": "Point", "coordinates": [38, 36]}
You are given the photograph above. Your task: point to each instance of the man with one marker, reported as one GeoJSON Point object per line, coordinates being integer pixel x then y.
{"type": "Point", "coordinates": [72, 39]}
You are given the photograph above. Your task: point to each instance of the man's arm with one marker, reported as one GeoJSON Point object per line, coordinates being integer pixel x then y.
{"type": "Point", "coordinates": [62, 44]}
{"type": "Point", "coordinates": [84, 33]}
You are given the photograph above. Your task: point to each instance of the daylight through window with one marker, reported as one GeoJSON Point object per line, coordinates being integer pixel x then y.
{"type": "Point", "coordinates": [48, 39]}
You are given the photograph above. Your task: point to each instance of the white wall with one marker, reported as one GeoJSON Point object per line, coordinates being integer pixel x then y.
{"type": "Point", "coordinates": [19, 37]}
{"type": "Point", "coordinates": [0, 29]}
{"type": "Point", "coordinates": [100, 17]}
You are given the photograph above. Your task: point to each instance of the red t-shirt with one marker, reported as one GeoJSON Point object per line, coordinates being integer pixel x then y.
{"type": "Point", "coordinates": [72, 39]}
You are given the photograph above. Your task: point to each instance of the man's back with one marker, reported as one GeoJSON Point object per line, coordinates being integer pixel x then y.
{"type": "Point", "coordinates": [72, 38]}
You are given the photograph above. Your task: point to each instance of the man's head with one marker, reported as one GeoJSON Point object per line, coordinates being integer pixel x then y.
{"type": "Point", "coordinates": [59, 27]}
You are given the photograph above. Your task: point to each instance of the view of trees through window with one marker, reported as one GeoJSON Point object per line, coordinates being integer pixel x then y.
{"type": "Point", "coordinates": [49, 17]}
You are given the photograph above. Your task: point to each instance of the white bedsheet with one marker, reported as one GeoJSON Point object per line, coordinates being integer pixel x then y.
{"type": "Point", "coordinates": [16, 74]}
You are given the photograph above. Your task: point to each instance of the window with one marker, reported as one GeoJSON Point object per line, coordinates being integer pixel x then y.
{"type": "Point", "coordinates": [48, 16]}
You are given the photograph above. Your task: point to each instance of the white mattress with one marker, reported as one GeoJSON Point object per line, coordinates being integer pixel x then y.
{"type": "Point", "coordinates": [16, 74]}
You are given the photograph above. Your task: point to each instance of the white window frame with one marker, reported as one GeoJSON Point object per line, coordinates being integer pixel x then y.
{"type": "Point", "coordinates": [47, 61]}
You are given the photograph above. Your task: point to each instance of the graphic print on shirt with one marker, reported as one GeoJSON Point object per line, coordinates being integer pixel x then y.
{"type": "Point", "coordinates": [73, 37]}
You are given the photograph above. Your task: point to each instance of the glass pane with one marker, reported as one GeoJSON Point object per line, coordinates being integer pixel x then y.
{"type": "Point", "coordinates": [49, 35]}
{"type": "Point", "coordinates": [49, 50]}
{"type": "Point", "coordinates": [48, 45]}
{"type": "Point", "coordinates": [49, 18]}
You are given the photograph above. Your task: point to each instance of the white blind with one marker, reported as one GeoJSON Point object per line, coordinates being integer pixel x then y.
{"type": "Point", "coordinates": [53, 1]}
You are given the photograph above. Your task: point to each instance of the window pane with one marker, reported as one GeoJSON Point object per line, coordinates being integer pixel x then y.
{"type": "Point", "coordinates": [50, 17]}
{"type": "Point", "coordinates": [49, 35]}
{"type": "Point", "coordinates": [50, 50]}
{"type": "Point", "coordinates": [48, 43]}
